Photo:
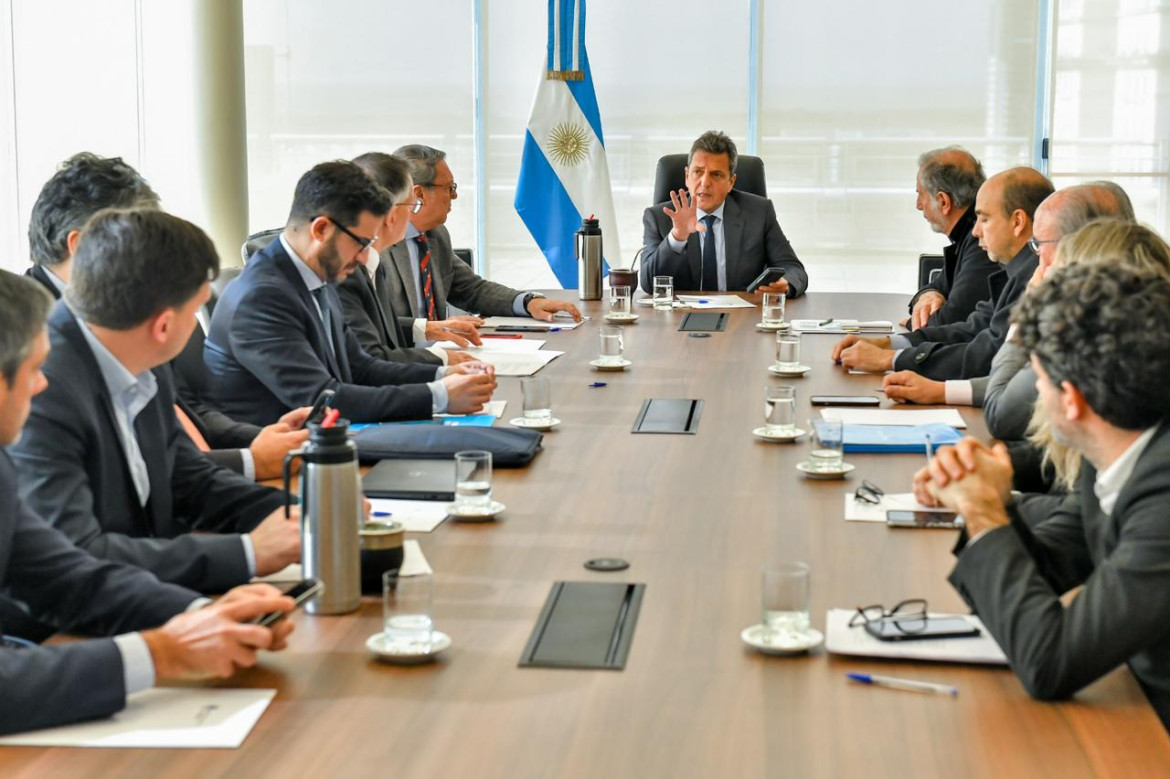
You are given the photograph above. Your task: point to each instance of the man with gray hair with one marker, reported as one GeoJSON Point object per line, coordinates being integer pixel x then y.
{"type": "Point", "coordinates": [712, 237]}
{"type": "Point", "coordinates": [948, 180]}
{"type": "Point", "coordinates": [423, 273]}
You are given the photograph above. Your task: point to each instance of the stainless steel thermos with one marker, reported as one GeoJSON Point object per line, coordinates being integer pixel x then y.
{"type": "Point", "coordinates": [331, 516]}
{"type": "Point", "coordinates": [588, 245]}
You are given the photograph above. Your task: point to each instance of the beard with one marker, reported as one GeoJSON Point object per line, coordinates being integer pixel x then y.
{"type": "Point", "coordinates": [330, 260]}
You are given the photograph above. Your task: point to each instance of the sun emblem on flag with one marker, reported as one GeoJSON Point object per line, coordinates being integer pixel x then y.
{"type": "Point", "coordinates": [568, 144]}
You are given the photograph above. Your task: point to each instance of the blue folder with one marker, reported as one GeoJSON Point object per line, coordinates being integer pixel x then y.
{"type": "Point", "coordinates": [897, 438]}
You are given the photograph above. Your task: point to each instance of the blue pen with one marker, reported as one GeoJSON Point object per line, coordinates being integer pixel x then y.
{"type": "Point", "coordinates": [704, 301]}
{"type": "Point", "coordinates": [381, 514]}
{"type": "Point", "coordinates": [597, 384]}
{"type": "Point", "coordinates": [904, 684]}
{"type": "Point", "coordinates": [554, 329]}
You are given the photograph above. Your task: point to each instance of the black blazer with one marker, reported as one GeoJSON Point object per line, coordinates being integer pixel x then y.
{"type": "Point", "coordinates": [41, 276]}
{"type": "Point", "coordinates": [964, 277]}
{"type": "Point", "coordinates": [1013, 578]}
{"type": "Point", "coordinates": [267, 353]}
{"type": "Point", "coordinates": [78, 594]}
{"type": "Point", "coordinates": [965, 350]}
{"type": "Point", "coordinates": [752, 238]}
{"type": "Point", "coordinates": [369, 312]}
{"type": "Point", "coordinates": [74, 474]}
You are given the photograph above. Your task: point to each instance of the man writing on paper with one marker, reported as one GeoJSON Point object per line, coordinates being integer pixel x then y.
{"type": "Point", "coordinates": [47, 686]}
{"type": "Point", "coordinates": [710, 237]}
{"type": "Point", "coordinates": [1101, 380]}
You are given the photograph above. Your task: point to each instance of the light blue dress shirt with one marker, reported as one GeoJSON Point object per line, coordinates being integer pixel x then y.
{"type": "Point", "coordinates": [720, 242]}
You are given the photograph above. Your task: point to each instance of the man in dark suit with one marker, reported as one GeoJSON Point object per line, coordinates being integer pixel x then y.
{"type": "Point", "coordinates": [948, 180]}
{"type": "Point", "coordinates": [716, 238]}
{"type": "Point", "coordinates": [77, 593]}
{"type": "Point", "coordinates": [1004, 209]}
{"type": "Point", "coordinates": [1101, 381]}
{"type": "Point", "coordinates": [424, 274]}
{"type": "Point", "coordinates": [103, 458]}
{"type": "Point", "coordinates": [278, 336]}
{"type": "Point", "coordinates": [365, 296]}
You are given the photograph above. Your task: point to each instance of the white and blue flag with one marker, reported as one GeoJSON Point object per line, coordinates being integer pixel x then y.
{"type": "Point", "coordinates": [564, 176]}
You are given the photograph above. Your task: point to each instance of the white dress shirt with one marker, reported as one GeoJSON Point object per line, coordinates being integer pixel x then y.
{"type": "Point", "coordinates": [720, 243]}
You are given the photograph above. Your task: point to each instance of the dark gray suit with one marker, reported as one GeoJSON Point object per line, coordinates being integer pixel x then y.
{"type": "Point", "coordinates": [369, 312]}
{"type": "Point", "coordinates": [1013, 578]}
{"type": "Point", "coordinates": [74, 474]}
{"type": "Point", "coordinates": [62, 584]}
{"type": "Point", "coordinates": [752, 239]}
{"type": "Point", "coordinates": [963, 281]}
{"type": "Point", "coordinates": [268, 352]}
{"type": "Point", "coordinates": [453, 282]}
{"type": "Point", "coordinates": [41, 276]}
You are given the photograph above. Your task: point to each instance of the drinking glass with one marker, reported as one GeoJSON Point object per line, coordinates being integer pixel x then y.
{"type": "Point", "coordinates": [407, 602]}
{"type": "Point", "coordinates": [787, 352]}
{"type": "Point", "coordinates": [772, 309]}
{"type": "Point", "coordinates": [473, 480]}
{"type": "Point", "coordinates": [780, 410]}
{"type": "Point", "coordinates": [785, 601]}
{"type": "Point", "coordinates": [664, 293]}
{"type": "Point", "coordinates": [537, 399]}
{"type": "Point", "coordinates": [619, 301]}
{"type": "Point", "coordinates": [828, 443]}
{"type": "Point", "coordinates": [611, 345]}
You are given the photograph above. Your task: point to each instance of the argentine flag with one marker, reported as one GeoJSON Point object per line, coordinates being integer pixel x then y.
{"type": "Point", "coordinates": [564, 176]}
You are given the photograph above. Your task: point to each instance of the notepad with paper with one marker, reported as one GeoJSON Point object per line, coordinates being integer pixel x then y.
{"type": "Point", "coordinates": [840, 639]}
{"type": "Point", "coordinates": [841, 326]}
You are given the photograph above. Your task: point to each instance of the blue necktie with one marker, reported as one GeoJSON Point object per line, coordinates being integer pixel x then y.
{"type": "Point", "coordinates": [710, 261]}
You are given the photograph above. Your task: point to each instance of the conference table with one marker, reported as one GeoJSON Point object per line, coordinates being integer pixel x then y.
{"type": "Point", "coordinates": [696, 516]}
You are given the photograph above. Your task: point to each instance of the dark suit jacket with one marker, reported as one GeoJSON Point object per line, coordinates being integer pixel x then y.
{"type": "Point", "coordinates": [1013, 578]}
{"type": "Point", "coordinates": [369, 312]}
{"type": "Point", "coordinates": [267, 353]}
{"type": "Point", "coordinates": [83, 680]}
{"type": "Point", "coordinates": [965, 350]}
{"type": "Point", "coordinates": [41, 276]}
{"type": "Point", "coordinates": [963, 281]}
{"type": "Point", "coordinates": [74, 474]}
{"type": "Point", "coordinates": [752, 238]}
{"type": "Point", "coordinates": [452, 282]}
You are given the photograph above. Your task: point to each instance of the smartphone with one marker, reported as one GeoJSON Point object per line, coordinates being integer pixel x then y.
{"type": "Point", "coordinates": [933, 519]}
{"type": "Point", "coordinates": [299, 593]}
{"type": "Point", "coordinates": [934, 627]}
{"type": "Point", "coordinates": [522, 328]}
{"type": "Point", "coordinates": [317, 412]}
{"type": "Point", "coordinates": [844, 400]}
{"type": "Point", "coordinates": [769, 276]}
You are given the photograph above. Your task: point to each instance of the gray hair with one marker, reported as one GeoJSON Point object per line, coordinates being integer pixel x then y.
{"type": "Point", "coordinates": [389, 172]}
{"type": "Point", "coordinates": [24, 306]}
{"type": "Point", "coordinates": [422, 160]}
{"type": "Point", "coordinates": [715, 142]}
{"type": "Point", "coordinates": [1078, 205]}
{"type": "Point", "coordinates": [953, 170]}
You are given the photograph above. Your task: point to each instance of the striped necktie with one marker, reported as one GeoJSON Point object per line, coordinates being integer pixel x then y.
{"type": "Point", "coordinates": [424, 274]}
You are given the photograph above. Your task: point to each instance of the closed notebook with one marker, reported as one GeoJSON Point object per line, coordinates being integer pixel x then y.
{"type": "Point", "coordinates": [897, 438]}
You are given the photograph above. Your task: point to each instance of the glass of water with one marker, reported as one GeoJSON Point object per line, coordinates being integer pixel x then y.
{"type": "Point", "coordinates": [611, 345]}
{"type": "Point", "coordinates": [407, 602]}
{"type": "Point", "coordinates": [473, 481]}
{"type": "Point", "coordinates": [537, 399]}
{"type": "Point", "coordinates": [664, 293]}
{"type": "Point", "coordinates": [780, 410]}
{"type": "Point", "coordinates": [828, 444]}
{"type": "Point", "coordinates": [772, 309]}
{"type": "Point", "coordinates": [619, 301]}
{"type": "Point", "coordinates": [787, 352]}
{"type": "Point", "coordinates": [785, 601]}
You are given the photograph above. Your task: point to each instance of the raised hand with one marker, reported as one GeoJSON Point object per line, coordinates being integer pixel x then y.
{"type": "Point", "coordinates": [684, 218]}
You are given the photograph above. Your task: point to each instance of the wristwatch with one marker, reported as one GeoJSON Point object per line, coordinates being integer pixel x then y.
{"type": "Point", "coordinates": [528, 298]}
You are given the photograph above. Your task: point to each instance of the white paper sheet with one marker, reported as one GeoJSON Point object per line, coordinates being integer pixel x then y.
{"type": "Point", "coordinates": [841, 326]}
{"type": "Point", "coordinates": [499, 344]}
{"type": "Point", "coordinates": [715, 301]}
{"type": "Point", "coordinates": [558, 323]}
{"type": "Point", "coordinates": [414, 562]}
{"type": "Point", "coordinates": [841, 639]}
{"type": "Point", "coordinates": [516, 363]}
{"type": "Point", "coordinates": [164, 717]}
{"type": "Point", "coordinates": [860, 511]}
{"type": "Point", "coordinates": [895, 416]}
{"type": "Point", "coordinates": [417, 516]}
{"type": "Point", "coordinates": [493, 407]}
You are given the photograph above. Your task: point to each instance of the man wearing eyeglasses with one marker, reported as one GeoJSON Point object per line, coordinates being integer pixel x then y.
{"type": "Point", "coordinates": [278, 336]}
{"type": "Point", "coordinates": [426, 275]}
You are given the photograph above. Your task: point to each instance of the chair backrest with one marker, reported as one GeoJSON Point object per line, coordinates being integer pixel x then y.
{"type": "Point", "coordinates": [929, 267]}
{"type": "Point", "coordinates": [258, 241]}
{"type": "Point", "coordinates": [671, 176]}
{"type": "Point", "coordinates": [467, 256]}
{"type": "Point", "coordinates": [189, 364]}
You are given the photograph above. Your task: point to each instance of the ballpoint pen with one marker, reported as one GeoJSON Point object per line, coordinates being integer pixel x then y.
{"type": "Point", "coordinates": [828, 321]}
{"type": "Point", "coordinates": [903, 684]}
{"type": "Point", "coordinates": [929, 448]}
{"type": "Point", "coordinates": [500, 335]}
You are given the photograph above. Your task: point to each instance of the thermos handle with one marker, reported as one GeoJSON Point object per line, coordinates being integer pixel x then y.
{"type": "Point", "coordinates": [288, 460]}
{"type": "Point", "coordinates": [637, 259]}
{"type": "Point", "coordinates": [578, 244]}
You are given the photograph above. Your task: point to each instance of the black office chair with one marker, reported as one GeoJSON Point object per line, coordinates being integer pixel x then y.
{"type": "Point", "coordinates": [929, 267]}
{"type": "Point", "coordinates": [467, 256]}
{"type": "Point", "coordinates": [671, 176]}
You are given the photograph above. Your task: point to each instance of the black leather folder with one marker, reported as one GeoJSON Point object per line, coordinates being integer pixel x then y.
{"type": "Point", "coordinates": [585, 625]}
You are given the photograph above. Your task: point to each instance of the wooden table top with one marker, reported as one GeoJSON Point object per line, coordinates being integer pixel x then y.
{"type": "Point", "coordinates": [696, 516]}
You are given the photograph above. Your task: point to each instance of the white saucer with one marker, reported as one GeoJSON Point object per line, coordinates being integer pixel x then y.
{"type": "Point", "coordinates": [534, 424]}
{"type": "Point", "coordinates": [621, 317]}
{"type": "Point", "coordinates": [621, 366]}
{"type": "Point", "coordinates": [756, 638]}
{"type": "Point", "coordinates": [789, 374]}
{"type": "Point", "coordinates": [759, 433]}
{"type": "Point", "coordinates": [377, 644]}
{"type": "Point", "coordinates": [477, 515]}
{"type": "Point", "coordinates": [772, 328]}
{"type": "Point", "coordinates": [807, 470]}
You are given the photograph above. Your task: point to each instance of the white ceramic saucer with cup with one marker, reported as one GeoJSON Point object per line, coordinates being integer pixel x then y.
{"type": "Point", "coordinates": [476, 513]}
{"type": "Point", "coordinates": [796, 434]}
{"type": "Point", "coordinates": [547, 423]}
{"type": "Point", "coordinates": [758, 637]}
{"type": "Point", "coordinates": [617, 366]}
{"type": "Point", "coordinates": [413, 654]}
{"type": "Point", "coordinates": [791, 374]}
